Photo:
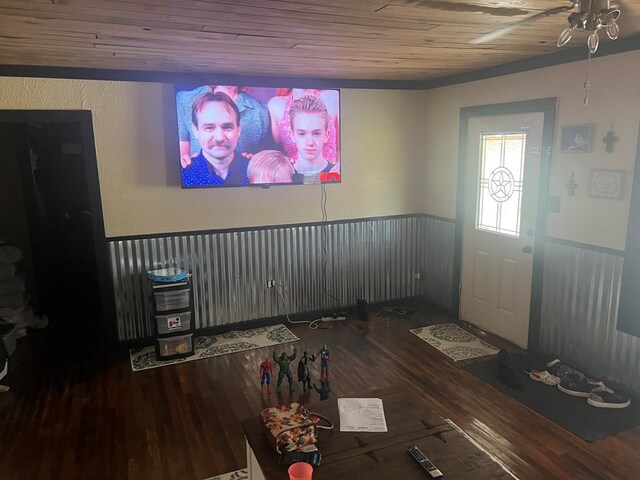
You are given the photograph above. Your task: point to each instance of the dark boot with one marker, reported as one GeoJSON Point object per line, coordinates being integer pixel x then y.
{"type": "Point", "coordinates": [505, 373]}
{"type": "Point", "coordinates": [503, 359]}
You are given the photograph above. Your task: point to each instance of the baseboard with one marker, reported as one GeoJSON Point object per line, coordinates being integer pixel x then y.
{"type": "Point", "coordinates": [349, 310]}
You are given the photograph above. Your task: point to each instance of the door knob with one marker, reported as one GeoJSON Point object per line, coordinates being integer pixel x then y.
{"type": "Point", "coordinates": [527, 249]}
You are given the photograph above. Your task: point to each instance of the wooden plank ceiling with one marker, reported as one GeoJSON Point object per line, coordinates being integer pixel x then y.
{"type": "Point", "coordinates": [339, 39]}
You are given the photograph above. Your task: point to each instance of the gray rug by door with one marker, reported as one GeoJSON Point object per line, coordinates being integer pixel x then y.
{"type": "Point", "coordinates": [454, 342]}
{"type": "Point", "coordinates": [571, 413]}
{"type": "Point", "coordinates": [214, 345]}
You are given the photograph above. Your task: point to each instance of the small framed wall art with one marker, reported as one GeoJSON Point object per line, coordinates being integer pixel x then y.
{"type": "Point", "coordinates": [606, 183]}
{"type": "Point", "coordinates": [576, 138]}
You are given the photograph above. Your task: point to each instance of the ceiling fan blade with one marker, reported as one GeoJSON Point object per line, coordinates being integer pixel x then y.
{"type": "Point", "coordinates": [488, 37]}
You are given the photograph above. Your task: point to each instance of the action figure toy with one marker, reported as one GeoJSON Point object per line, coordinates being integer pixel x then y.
{"type": "Point", "coordinates": [323, 390]}
{"type": "Point", "coordinates": [325, 358]}
{"type": "Point", "coordinates": [283, 362]}
{"type": "Point", "coordinates": [266, 370]}
{"type": "Point", "coordinates": [303, 370]}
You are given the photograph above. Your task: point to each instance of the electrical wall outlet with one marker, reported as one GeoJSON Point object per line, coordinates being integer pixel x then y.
{"type": "Point", "coordinates": [271, 283]}
{"type": "Point", "coordinates": [417, 276]}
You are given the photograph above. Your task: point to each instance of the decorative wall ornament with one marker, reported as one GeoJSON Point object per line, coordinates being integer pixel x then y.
{"type": "Point", "coordinates": [576, 138]}
{"type": "Point", "coordinates": [571, 185]}
{"type": "Point", "coordinates": [609, 140]}
{"type": "Point", "coordinates": [606, 183]}
{"type": "Point", "coordinates": [501, 184]}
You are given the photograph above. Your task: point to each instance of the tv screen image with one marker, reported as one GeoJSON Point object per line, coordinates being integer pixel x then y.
{"type": "Point", "coordinates": [231, 136]}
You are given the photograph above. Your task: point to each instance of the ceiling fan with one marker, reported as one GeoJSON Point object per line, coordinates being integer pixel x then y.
{"type": "Point", "coordinates": [589, 15]}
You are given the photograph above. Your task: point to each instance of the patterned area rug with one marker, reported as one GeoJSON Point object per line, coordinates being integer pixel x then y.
{"type": "Point", "coordinates": [454, 342]}
{"type": "Point", "coordinates": [237, 475]}
{"type": "Point", "coordinates": [212, 346]}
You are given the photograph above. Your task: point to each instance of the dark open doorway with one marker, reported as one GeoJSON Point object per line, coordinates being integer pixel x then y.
{"type": "Point", "coordinates": [56, 218]}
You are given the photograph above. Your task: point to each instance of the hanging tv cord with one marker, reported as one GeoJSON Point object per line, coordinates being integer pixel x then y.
{"type": "Point", "coordinates": [323, 241]}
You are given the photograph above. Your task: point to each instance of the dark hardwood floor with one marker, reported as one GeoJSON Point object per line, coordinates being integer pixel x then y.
{"type": "Point", "coordinates": [88, 416]}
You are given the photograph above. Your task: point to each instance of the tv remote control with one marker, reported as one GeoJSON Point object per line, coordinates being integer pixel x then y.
{"type": "Point", "coordinates": [422, 459]}
{"type": "Point", "coordinates": [288, 458]}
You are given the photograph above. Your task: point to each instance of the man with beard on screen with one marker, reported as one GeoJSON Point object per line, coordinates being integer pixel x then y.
{"type": "Point", "coordinates": [254, 121]}
{"type": "Point", "coordinates": [216, 125]}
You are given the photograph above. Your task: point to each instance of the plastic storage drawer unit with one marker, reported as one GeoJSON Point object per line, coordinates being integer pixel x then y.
{"type": "Point", "coordinates": [173, 323]}
{"type": "Point", "coordinates": [172, 299]}
{"type": "Point", "coordinates": [174, 347]}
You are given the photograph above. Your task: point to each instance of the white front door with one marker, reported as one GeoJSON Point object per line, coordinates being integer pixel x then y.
{"type": "Point", "coordinates": [500, 207]}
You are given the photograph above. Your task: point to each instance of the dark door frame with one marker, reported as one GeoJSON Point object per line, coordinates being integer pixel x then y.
{"type": "Point", "coordinates": [84, 118]}
{"type": "Point", "coordinates": [548, 107]}
{"type": "Point", "coordinates": [629, 303]}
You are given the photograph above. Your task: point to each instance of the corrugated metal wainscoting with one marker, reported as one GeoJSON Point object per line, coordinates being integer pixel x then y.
{"type": "Point", "coordinates": [375, 259]}
{"type": "Point", "coordinates": [437, 261]}
{"type": "Point", "coordinates": [581, 289]}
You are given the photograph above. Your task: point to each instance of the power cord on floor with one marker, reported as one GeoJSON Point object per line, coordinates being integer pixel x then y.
{"type": "Point", "coordinates": [313, 324]}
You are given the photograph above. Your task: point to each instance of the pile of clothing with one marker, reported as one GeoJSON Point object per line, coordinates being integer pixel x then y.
{"type": "Point", "coordinates": [14, 299]}
{"type": "Point", "coordinates": [13, 292]}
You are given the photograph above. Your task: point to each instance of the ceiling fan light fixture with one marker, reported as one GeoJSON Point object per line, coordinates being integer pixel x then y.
{"type": "Point", "coordinates": [577, 20]}
{"type": "Point", "coordinates": [593, 41]}
{"type": "Point", "coordinates": [592, 16]}
{"type": "Point", "coordinates": [565, 36]}
{"type": "Point", "coordinates": [588, 16]}
{"type": "Point", "coordinates": [611, 15]}
{"type": "Point", "coordinates": [593, 24]}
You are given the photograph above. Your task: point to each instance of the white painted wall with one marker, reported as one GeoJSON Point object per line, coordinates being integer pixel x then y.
{"type": "Point", "coordinates": [399, 151]}
{"type": "Point", "coordinates": [140, 185]}
{"type": "Point", "coordinates": [614, 102]}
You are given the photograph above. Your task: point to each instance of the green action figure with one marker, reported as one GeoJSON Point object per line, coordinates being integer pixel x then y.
{"type": "Point", "coordinates": [284, 362]}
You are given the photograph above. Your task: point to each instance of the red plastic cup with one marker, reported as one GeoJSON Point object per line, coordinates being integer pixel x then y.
{"type": "Point", "coordinates": [300, 471]}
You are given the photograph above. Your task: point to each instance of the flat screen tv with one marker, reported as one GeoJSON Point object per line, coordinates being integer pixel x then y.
{"type": "Point", "coordinates": [232, 136]}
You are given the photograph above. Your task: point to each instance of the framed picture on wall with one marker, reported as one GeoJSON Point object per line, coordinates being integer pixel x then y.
{"type": "Point", "coordinates": [606, 183]}
{"type": "Point", "coordinates": [576, 138]}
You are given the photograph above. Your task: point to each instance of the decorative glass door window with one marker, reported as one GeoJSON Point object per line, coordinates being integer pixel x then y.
{"type": "Point", "coordinates": [501, 176]}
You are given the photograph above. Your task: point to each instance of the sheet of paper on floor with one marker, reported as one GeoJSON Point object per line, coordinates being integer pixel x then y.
{"type": "Point", "coordinates": [361, 415]}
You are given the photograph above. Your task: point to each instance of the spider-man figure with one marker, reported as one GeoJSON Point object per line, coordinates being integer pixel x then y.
{"type": "Point", "coordinates": [266, 370]}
